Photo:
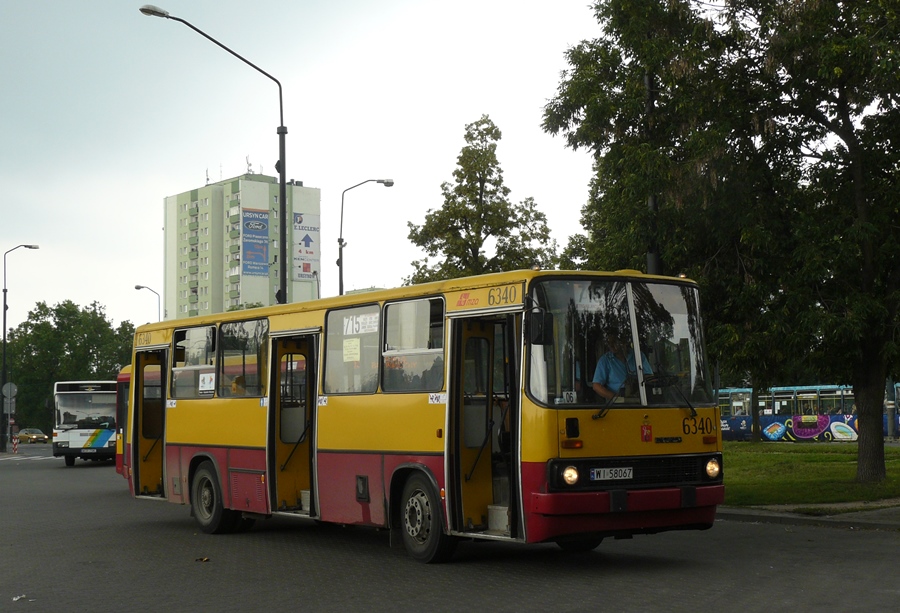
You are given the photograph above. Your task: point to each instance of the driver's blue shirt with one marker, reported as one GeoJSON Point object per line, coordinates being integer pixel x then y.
{"type": "Point", "coordinates": [611, 372]}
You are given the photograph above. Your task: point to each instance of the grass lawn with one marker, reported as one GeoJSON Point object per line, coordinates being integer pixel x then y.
{"type": "Point", "coordinates": [802, 473]}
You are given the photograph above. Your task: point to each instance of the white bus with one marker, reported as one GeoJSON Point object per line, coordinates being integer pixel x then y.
{"type": "Point", "coordinates": [85, 418]}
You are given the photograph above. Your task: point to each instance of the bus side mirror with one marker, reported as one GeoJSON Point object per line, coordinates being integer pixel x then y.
{"type": "Point", "coordinates": [541, 328]}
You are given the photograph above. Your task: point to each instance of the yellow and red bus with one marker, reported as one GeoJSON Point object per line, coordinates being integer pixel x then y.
{"type": "Point", "coordinates": [463, 409]}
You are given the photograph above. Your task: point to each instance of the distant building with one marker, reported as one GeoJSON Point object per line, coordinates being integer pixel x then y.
{"type": "Point", "coordinates": [222, 246]}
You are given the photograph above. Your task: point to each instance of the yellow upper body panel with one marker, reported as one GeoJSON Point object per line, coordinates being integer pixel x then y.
{"type": "Point", "coordinates": [220, 422]}
{"type": "Point", "coordinates": [383, 422]}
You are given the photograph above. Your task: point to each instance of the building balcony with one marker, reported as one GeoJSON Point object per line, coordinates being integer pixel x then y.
{"type": "Point", "coordinates": [234, 234]}
{"type": "Point", "coordinates": [193, 313]}
{"type": "Point", "coordinates": [193, 284]}
{"type": "Point", "coordinates": [193, 254]}
{"type": "Point", "coordinates": [234, 218]}
{"type": "Point", "coordinates": [193, 270]}
{"type": "Point", "coordinates": [234, 278]}
{"type": "Point", "coordinates": [193, 225]}
{"type": "Point", "coordinates": [235, 293]}
{"type": "Point", "coordinates": [234, 249]}
{"type": "Point", "coordinates": [193, 298]}
{"type": "Point", "coordinates": [193, 240]}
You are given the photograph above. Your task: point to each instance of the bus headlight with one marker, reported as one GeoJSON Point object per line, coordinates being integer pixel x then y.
{"type": "Point", "coordinates": [570, 475]}
{"type": "Point", "coordinates": [712, 468]}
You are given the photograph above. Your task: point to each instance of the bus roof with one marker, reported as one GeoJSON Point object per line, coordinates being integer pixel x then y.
{"type": "Point", "coordinates": [405, 292]}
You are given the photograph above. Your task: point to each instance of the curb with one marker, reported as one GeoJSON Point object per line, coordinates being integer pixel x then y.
{"type": "Point", "coordinates": [849, 521]}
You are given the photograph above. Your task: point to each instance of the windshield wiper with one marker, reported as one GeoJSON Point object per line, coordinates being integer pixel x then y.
{"type": "Point", "coordinates": [669, 381]}
{"type": "Point", "coordinates": [605, 409]}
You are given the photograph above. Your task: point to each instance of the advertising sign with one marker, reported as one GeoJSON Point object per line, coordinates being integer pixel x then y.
{"type": "Point", "coordinates": [255, 243]}
{"type": "Point", "coordinates": [306, 250]}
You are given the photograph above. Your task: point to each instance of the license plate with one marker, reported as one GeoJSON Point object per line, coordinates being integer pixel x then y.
{"type": "Point", "coordinates": [611, 474]}
{"type": "Point", "coordinates": [88, 451]}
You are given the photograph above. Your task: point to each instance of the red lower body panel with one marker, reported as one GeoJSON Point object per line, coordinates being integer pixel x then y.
{"type": "Point", "coordinates": [340, 474]}
{"type": "Point", "coordinates": [553, 515]}
{"type": "Point", "coordinates": [241, 472]}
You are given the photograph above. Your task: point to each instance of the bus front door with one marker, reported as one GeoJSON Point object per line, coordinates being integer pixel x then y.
{"type": "Point", "coordinates": [483, 413]}
{"type": "Point", "coordinates": [290, 447]}
{"type": "Point", "coordinates": [147, 424]}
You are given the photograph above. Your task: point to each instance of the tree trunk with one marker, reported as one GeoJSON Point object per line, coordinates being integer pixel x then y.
{"type": "Point", "coordinates": [755, 432]}
{"type": "Point", "coordinates": [868, 390]}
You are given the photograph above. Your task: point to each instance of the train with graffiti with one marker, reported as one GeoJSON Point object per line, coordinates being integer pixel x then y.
{"type": "Point", "coordinates": [799, 413]}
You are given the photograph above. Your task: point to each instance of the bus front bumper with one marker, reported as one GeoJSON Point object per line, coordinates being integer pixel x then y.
{"type": "Point", "coordinates": [620, 513]}
{"type": "Point", "coordinates": [625, 501]}
{"type": "Point", "coordinates": [88, 453]}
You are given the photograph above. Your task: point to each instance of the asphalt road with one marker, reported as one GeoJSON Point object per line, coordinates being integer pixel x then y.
{"type": "Point", "coordinates": [73, 539]}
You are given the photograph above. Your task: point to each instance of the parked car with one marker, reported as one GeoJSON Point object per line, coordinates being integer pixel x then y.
{"type": "Point", "coordinates": [32, 435]}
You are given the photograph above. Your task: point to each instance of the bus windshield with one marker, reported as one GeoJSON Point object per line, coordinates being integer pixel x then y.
{"type": "Point", "coordinates": [615, 341]}
{"type": "Point", "coordinates": [85, 411]}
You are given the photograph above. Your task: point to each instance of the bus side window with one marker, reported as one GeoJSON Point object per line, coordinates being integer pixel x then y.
{"type": "Point", "coordinates": [413, 356]}
{"type": "Point", "coordinates": [193, 372]}
{"type": "Point", "coordinates": [243, 354]}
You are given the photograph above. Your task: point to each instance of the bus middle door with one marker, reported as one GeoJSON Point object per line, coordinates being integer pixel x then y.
{"type": "Point", "coordinates": [290, 447]}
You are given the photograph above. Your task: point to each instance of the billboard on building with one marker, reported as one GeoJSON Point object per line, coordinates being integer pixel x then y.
{"type": "Point", "coordinates": [307, 252]}
{"type": "Point", "coordinates": [254, 243]}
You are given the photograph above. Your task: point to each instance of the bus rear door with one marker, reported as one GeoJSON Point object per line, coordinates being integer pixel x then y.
{"type": "Point", "coordinates": [147, 424]}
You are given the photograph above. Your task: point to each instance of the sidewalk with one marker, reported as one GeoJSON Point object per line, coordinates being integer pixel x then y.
{"type": "Point", "coordinates": [882, 515]}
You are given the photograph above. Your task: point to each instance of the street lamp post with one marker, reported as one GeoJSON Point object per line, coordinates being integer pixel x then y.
{"type": "Point", "coordinates": [4, 420]}
{"type": "Point", "coordinates": [280, 165]}
{"type": "Point", "coordinates": [341, 243]}
{"type": "Point", "coordinates": [158, 307]}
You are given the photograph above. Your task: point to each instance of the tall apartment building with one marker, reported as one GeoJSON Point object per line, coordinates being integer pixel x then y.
{"type": "Point", "coordinates": [222, 245]}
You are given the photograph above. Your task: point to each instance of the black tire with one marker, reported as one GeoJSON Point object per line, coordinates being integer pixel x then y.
{"type": "Point", "coordinates": [422, 522]}
{"type": "Point", "coordinates": [580, 545]}
{"type": "Point", "coordinates": [206, 502]}
{"type": "Point", "coordinates": [70, 460]}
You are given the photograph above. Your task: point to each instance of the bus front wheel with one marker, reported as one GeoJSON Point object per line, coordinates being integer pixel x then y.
{"type": "Point", "coordinates": [422, 523]}
{"type": "Point", "coordinates": [70, 460]}
{"type": "Point", "coordinates": [206, 502]}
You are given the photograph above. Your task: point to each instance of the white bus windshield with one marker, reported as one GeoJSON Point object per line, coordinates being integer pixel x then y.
{"type": "Point", "coordinates": [85, 411]}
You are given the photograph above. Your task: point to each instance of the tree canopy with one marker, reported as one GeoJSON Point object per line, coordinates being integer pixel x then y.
{"type": "Point", "coordinates": [764, 130]}
{"type": "Point", "coordinates": [64, 342]}
{"type": "Point", "coordinates": [478, 230]}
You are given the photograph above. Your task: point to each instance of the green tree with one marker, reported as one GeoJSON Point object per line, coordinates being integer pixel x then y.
{"type": "Point", "coordinates": [765, 130]}
{"type": "Point", "coordinates": [477, 218]}
{"type": "Point", "coordinates": [62, 343]}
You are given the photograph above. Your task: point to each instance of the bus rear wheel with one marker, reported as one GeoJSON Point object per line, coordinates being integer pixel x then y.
{"type": "Point", "coordinates": [422, 523]}
{"type": "Point", "coordinates": [206, 502]}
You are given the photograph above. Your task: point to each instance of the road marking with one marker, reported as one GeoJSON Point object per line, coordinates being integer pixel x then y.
{"type": "Point", "coordinates": [22, 458]}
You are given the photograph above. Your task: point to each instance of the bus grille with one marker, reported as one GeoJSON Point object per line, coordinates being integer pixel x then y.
{"type": "Point", "coordinates": [657, 471]}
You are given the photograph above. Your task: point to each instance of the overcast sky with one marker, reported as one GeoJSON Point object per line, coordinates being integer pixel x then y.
{"type": "Point", "coordinates": [104, 112]}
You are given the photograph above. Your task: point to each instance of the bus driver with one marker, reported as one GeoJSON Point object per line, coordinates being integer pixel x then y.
{"type": "Point", "coordinates": [614, 366]}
